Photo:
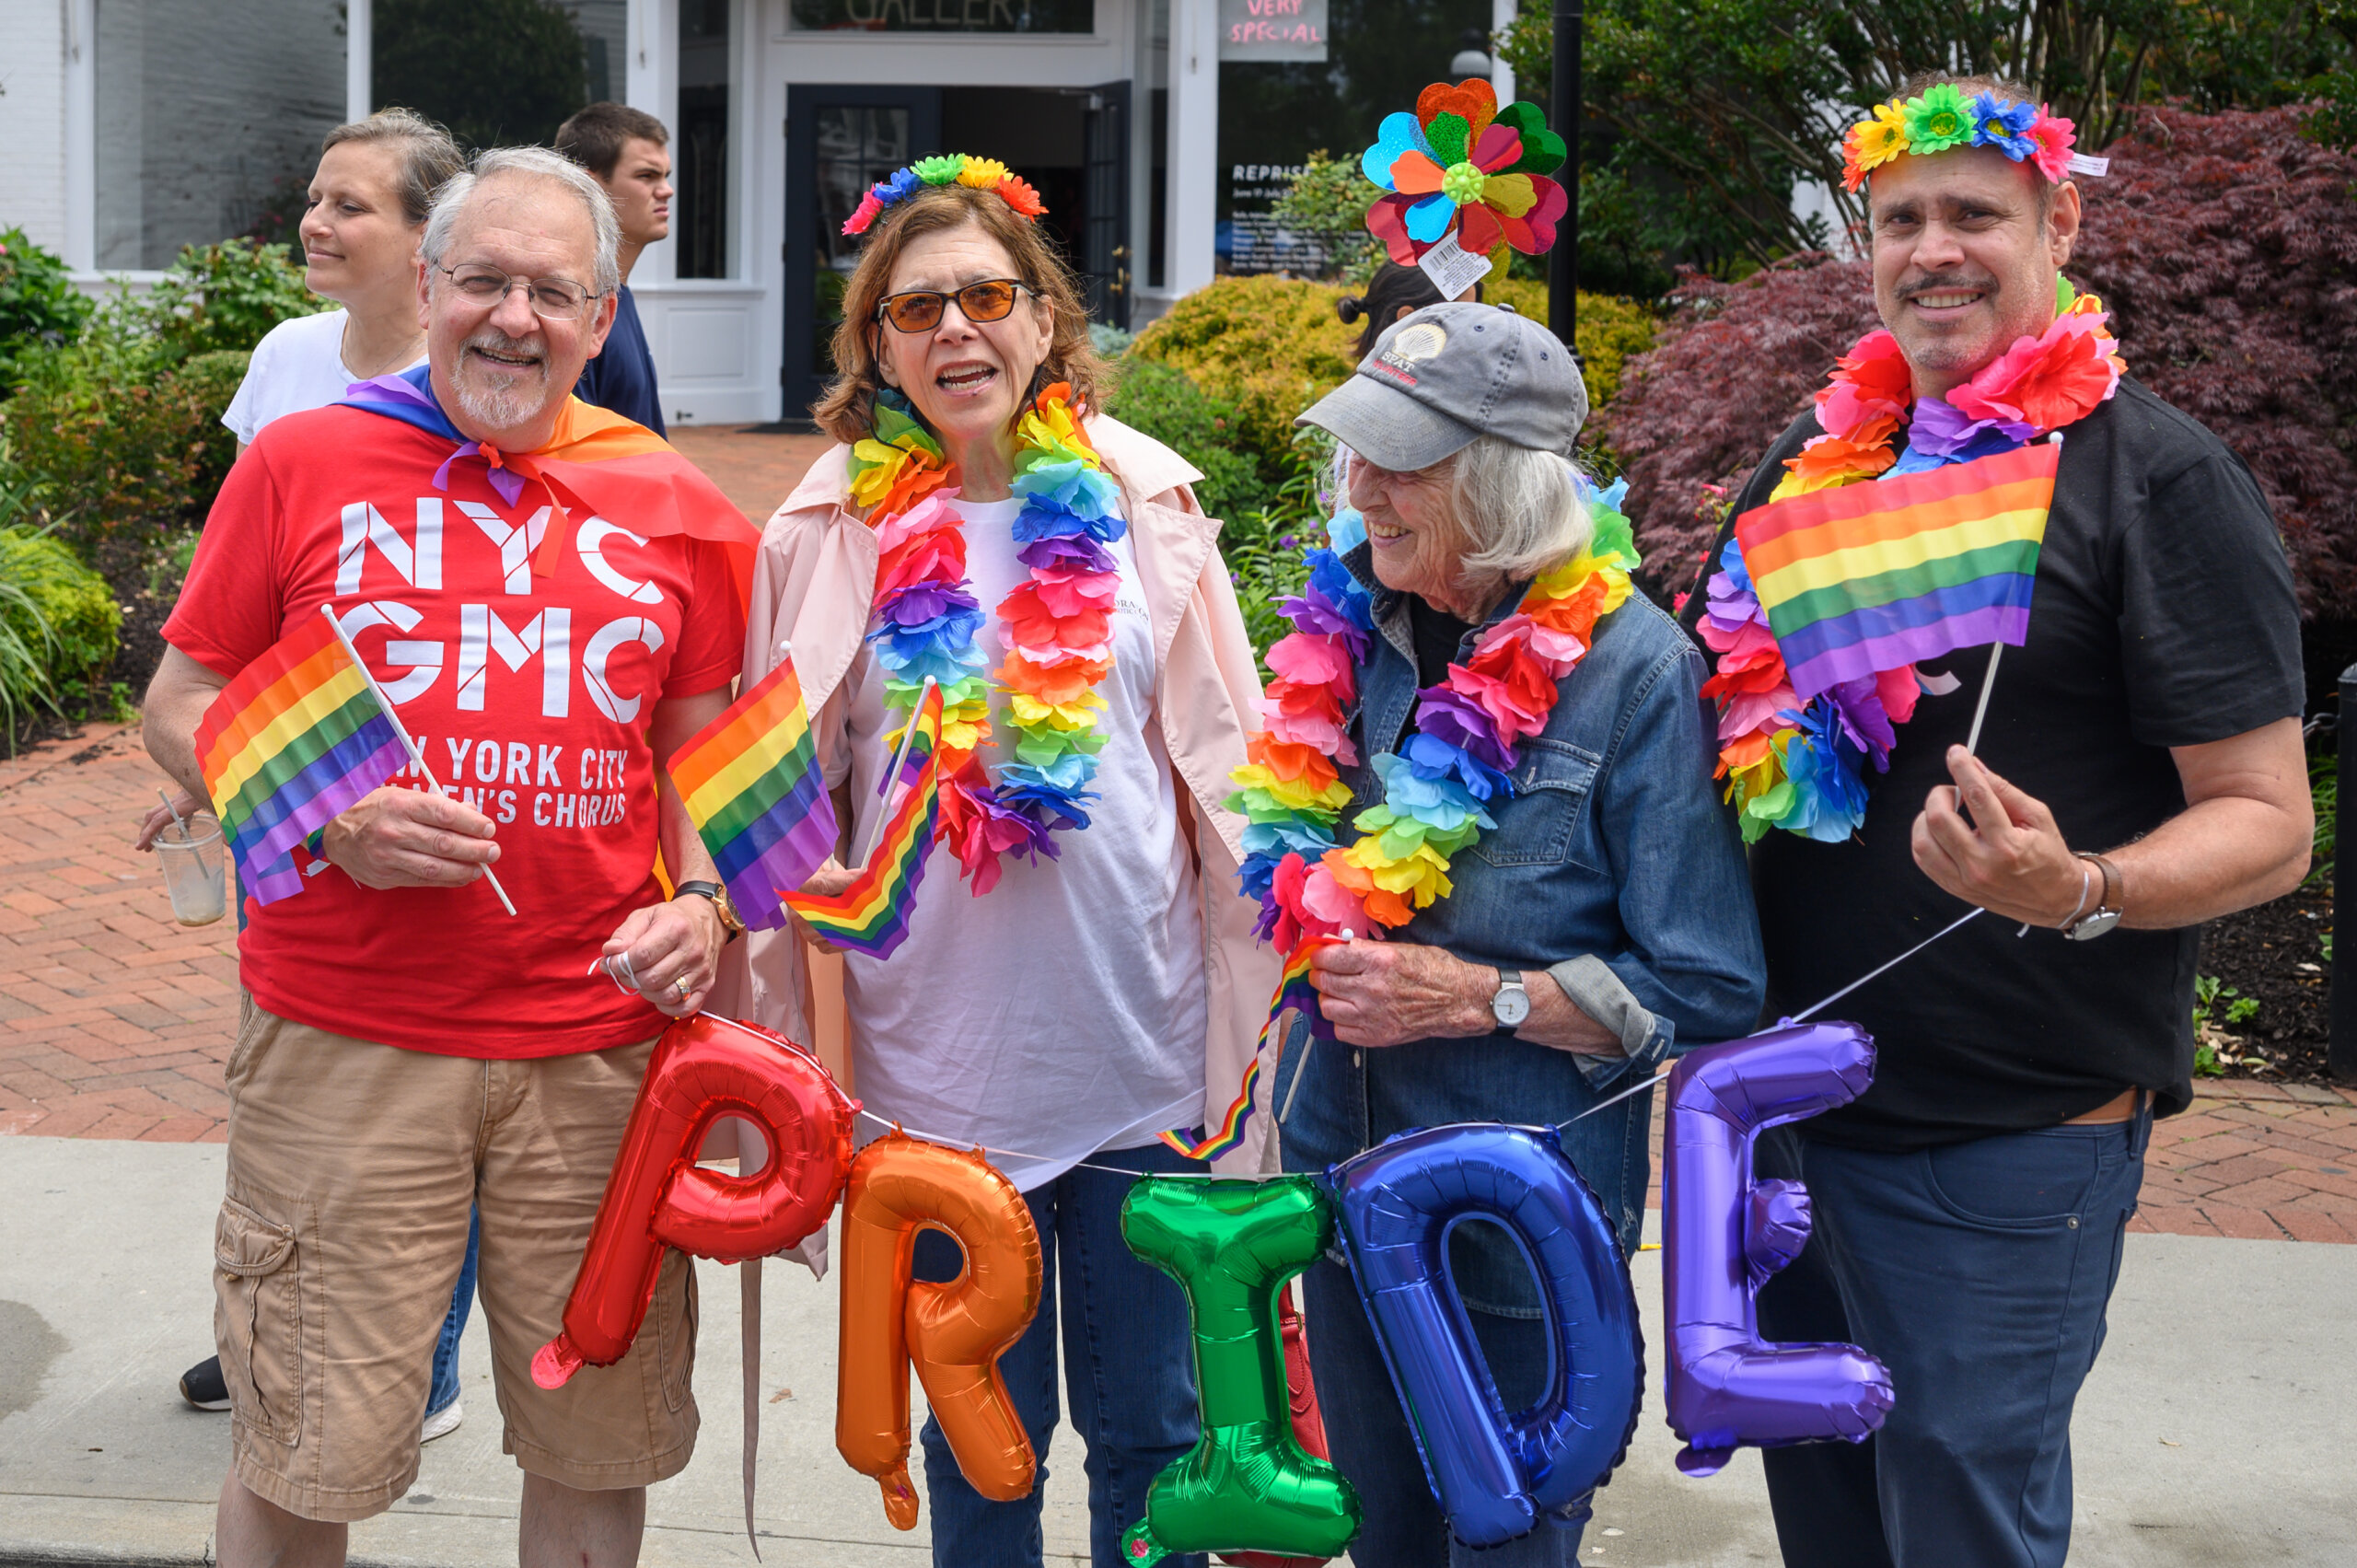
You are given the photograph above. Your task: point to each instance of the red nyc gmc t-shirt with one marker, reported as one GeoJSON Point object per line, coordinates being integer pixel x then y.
{"type": "Point", "coordinates": [530, 698]}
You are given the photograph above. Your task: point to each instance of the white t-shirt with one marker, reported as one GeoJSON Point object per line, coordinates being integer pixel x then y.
{"type": "Point", "coordinates": [1064, 1012]}
{"type": "Point", "coordinates": [299, 365]}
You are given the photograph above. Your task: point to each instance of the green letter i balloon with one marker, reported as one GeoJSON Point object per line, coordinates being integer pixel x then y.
{"type": "Point", "coordinates": [1246, 1485]}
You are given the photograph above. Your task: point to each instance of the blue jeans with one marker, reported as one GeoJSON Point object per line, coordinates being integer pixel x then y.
{"type": "Point", "coordinates": [445, 1392]}
{"type": "Point", "coordinates": [1367, 1431]}
{"type": "Point", "coordinates": [1128, 1371]}
{"type": "Point", "coordinates": [1351, 1101]}
{"type": "Point", "coordinates": [1979, 1272]}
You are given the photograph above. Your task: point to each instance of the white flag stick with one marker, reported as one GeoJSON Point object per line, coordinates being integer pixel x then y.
{"type": "Point", "coordinates": [1980, 711]}
{"type": "Point", "coordinates": [415, 756]}
{"type": "Point", "coordinates": [891, 776]}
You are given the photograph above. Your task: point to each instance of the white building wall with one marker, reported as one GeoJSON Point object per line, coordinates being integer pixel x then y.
{"type": "Point", "coordinates": [32, 119]}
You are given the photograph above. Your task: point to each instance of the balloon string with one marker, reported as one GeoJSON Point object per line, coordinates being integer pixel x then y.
{"type": "Point", "coordinates": [1629, 1093]}
{"type": "Point", "coordinates": [1964, 919]}
{"type": "Point", "coordinates": [1801, 1017]}
{"type": "Point", "coordinates": [948, 1143]}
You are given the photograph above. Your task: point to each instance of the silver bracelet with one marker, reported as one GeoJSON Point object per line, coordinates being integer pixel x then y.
{"type": "Point", "coordinates": [2085, 881]}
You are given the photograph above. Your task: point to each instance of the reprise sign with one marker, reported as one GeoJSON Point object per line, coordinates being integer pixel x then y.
{"type": "Point", "coordinates": [1272, 30]}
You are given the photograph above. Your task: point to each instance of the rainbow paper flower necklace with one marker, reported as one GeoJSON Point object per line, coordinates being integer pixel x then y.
{"type": "Point", "coordinates": [1800, 766]}
{"type": "Point", "coordinates": [1057, 626]}
{"type": "Point", "coordinates": [1467, 743]}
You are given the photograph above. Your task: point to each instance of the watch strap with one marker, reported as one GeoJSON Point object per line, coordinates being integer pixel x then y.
{"type": "Point", "coordinates": [1509, 980]}
{"type": "Point", "coordinates": [2114, 885]}
{"type": "Point", "coordinates": [730, 921]}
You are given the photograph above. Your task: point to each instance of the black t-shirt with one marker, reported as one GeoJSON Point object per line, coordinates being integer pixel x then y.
{"type": "Point", "coordinates": [1438, 636]}
{"type": "Point", "coordinates": [2162, 616]}
{"type": "Point", "coordinates": [621, 379]}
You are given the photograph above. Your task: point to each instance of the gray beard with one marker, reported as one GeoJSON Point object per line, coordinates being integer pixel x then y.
{"type": "Point", "coordinates": [503, 407]}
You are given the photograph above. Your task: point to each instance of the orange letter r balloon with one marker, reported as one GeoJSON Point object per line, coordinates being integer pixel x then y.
{"type": "Point", "coordinates": [955, 1333]}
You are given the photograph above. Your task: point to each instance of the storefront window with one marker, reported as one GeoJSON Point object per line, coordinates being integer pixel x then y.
{"type": "Point", "coordinates": [1279, 101]}
{"type": "Point", "coordinates": [857, 145]}
{"type": "Point", "coordinates": [945, 16]}
{"type": "Point", "coordinates": [187, 157]}
{"type": "Point", "coordinates": [498, 73]}
{"type": "Point", "coordinates": [699, 141]}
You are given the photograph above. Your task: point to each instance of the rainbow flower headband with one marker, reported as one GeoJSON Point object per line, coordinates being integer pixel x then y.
{"type": "Point", "coordinates": [1944, 118]}
{"type": "Point", "coordinates": [950, 168]}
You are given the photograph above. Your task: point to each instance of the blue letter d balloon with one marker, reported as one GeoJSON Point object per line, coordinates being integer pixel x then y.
{"type": "Point", "coordinates": [1726, 1234]}
{"type": "Point", "coordinates": [1496, 1475]}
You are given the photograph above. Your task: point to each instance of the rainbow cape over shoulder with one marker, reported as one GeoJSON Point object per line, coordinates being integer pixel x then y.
{"type": "Point", "coordinates": [593, 464]}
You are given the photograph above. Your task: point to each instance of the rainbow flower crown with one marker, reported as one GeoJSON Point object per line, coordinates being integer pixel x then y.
{"type": "Point", "coordinates": [950, 168]}
{"type": "Point", "coordinates": [1943, 118]}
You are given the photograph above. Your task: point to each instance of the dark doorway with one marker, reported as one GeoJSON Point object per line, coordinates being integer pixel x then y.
{"type": "Point", "coordinates": [839, 141]}
{"type": "Point", "coordinates": [1072, 145]}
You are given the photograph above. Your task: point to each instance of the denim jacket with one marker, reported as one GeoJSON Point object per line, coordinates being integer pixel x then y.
{"type": "Point", "coordinates": [1616, 866]}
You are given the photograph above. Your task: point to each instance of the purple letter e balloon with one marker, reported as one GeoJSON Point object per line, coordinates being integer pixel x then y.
{"type": "Point", "coordinates": [1726, 1234]}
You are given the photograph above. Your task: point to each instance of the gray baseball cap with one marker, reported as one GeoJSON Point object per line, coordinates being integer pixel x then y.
{"type": "Point", "coordinates": [1450, 373]}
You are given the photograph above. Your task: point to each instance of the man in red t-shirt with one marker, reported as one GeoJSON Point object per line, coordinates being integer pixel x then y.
{"type": "Point", "coordinates": [550, 634]}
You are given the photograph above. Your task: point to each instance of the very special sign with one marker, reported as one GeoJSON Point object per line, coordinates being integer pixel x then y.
{"type": "Point", "coordinates": [1272, 30]}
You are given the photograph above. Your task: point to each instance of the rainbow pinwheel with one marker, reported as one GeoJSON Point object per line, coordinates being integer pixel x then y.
{"type": "Point", "coordinates": [1461, 165]}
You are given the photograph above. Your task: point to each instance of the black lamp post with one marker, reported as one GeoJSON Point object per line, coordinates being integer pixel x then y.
{"type": "Point", "coordinates": [1564, 264]}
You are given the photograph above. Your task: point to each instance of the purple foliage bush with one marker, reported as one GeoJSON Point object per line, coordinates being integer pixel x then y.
{"type": "Point", "coordinates": [2225, 246]}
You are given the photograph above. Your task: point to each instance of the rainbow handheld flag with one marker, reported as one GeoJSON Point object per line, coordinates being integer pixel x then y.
{"type": "Point", "coordinates": [871, 916]}
{"type": "Point", "coordinates": [1868, 577]}
{"type": "Point", "coordinates": [752, 786]}
{"type": "Point", "coordinates": [296, 739]}
{"type": "Point", "coordinates": [1293, 991]}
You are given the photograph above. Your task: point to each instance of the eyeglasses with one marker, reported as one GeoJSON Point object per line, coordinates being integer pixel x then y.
{"type": "Point", "coordinates": [552, 299]}
{"type": "Point", "coordinates": [919, 310]}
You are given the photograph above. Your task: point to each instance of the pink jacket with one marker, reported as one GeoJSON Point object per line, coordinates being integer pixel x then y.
{"type": "Point", "coordinates": [812, 586]}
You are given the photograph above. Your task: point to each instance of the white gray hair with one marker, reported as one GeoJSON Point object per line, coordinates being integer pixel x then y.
{"type": "Point", "coordinates": [1519, 507]}
{"type": "Point", "coordinates": [535, 163]}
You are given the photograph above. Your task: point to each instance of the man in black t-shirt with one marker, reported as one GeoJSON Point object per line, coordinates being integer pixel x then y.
{"type": "Point", "coordinates": [2141, 768]}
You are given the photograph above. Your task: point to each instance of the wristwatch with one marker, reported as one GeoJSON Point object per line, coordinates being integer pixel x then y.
{"type": "Point", "coordinates": [730, 921]}
{"type": "Point", "coordinates": [1512, 1002]}
{"type": "Point", "coordinates": [2106, 912]}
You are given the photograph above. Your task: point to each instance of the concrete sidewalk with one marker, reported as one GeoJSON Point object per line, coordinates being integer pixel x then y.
{"type": "Point", "coordinates": [2213, 1431]}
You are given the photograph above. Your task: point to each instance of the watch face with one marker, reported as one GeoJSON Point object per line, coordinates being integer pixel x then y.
{"type": "Point", "coordinates": [1510, 1006]}
{"type": "Point", "coordinates": [2094, 925]}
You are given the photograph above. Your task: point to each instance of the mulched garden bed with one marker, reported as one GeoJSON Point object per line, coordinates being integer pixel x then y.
{"type": "Point", "coordinates": [2274, 955]}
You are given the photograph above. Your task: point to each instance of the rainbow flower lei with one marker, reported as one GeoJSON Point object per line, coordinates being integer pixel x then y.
{"type": "Point", "coordinates": [1057, 627]}
{"type": "Point", "coordinates": [1463, 753]}
{"type": "Point", "coordinates": [1943, 118]}
{"type": "Point", "coordinates": [950, 168]}
{"type": "Point", "coordinates": [1800, 766]}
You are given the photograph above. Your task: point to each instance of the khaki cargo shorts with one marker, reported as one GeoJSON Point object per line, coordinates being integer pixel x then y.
{"type": "Point", "coordinates": [351, 1169]}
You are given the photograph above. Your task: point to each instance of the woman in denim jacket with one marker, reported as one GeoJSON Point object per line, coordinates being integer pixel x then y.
{"type": "Point", "coordinates": [1604, 925]}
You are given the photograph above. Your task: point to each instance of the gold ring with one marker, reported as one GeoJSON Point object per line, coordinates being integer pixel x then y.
{"type": "Point", "coordinates": [680, 985]}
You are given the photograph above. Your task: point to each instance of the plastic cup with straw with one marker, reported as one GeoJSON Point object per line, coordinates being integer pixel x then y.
{"type": "Point", "coordinates": [194, 869]}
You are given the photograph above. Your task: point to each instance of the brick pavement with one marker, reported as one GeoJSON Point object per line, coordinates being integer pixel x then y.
{"type": "Point", "coordinates": [114, 1022]}
{"type": "Point", "coordinates": [755, 469]}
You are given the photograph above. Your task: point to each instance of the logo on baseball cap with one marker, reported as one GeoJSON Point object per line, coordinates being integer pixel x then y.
{"type": "Point", "coordinates": [1451, 373]}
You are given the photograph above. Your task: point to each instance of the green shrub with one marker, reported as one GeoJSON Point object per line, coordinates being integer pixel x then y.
{"type": "Point", "coordinates": [223, 296]}
{"type": "Point", "coordinates": [120, 442]}
{"type": "Point", "coordinates": [121, 424]}
{"type": "Point", "coordinates": [59, 623]}
{"type": "Point", "coordinates": [1271, 346]}
{"type": "Point", "coordinates": [1162, 402]}
{"type": "Point", "coordinates": [39, 306]}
